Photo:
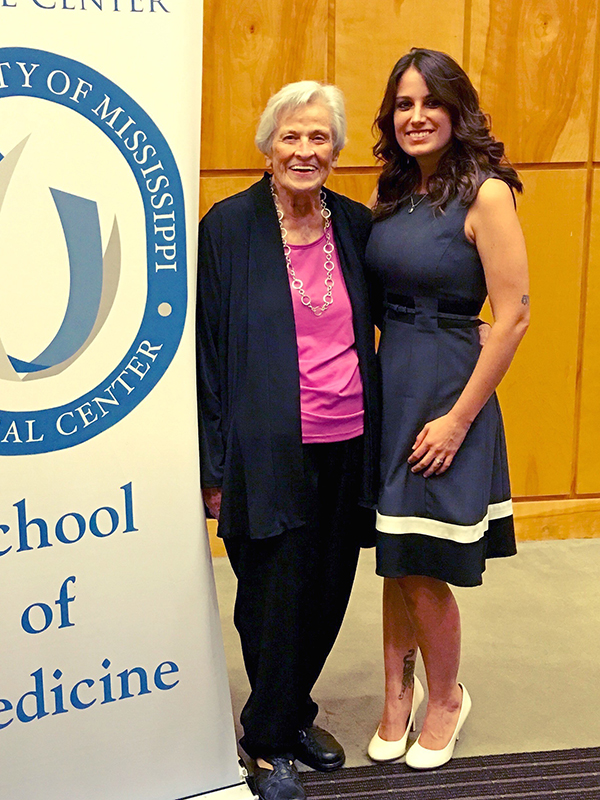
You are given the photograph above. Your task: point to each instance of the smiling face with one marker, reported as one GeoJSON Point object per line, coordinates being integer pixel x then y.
{"type": "Point", "coordinates": [302, 153]}
{"type": "Point", "coordinates": [422, 124]}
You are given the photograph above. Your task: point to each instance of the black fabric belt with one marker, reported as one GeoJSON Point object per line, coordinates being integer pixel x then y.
{"type": "Point", "coordinates": [450, 313]}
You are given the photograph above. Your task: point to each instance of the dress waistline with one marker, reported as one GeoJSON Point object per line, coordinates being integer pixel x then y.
{"type": "Point", "coordinates": [448, 313]}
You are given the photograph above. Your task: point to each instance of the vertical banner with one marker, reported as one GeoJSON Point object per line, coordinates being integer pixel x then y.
{"type": "Point", "coordinates": [112, 675]}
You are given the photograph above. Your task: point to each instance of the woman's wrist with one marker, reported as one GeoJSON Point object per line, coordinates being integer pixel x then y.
{"type": "Point", "coordinates": [461, 417]}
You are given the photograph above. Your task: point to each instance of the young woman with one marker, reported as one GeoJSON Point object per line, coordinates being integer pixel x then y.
{"type": "Point", "coordinates": [446, 235]}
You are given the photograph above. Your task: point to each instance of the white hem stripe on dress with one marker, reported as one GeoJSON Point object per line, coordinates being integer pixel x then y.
{"type": "Point", "coordinates": [462, 534]}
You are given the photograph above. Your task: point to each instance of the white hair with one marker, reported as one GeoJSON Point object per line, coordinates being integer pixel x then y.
{"type": "Point", "coordinates": [296, 95]}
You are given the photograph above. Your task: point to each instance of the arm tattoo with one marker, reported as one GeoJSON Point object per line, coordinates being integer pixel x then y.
{"type": "Point", "coordinates": [408, 673]}
{"type": "Point", "coordinates": [525, 299]}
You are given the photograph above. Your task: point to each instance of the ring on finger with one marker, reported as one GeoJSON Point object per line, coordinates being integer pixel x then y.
{"type": "Point", "coordinates": [439, 461]}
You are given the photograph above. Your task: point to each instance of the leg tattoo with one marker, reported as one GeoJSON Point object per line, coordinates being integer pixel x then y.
{"type": "Point", "coordinates": [408, 673]}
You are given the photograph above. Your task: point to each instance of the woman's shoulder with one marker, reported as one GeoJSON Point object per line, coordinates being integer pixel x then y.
{"type": "Point", "coordinates": [494, 193]}
{"type": "Point", "coordinates": [494, 208]}
{"type": "Point", "coordinates": [494, 186]}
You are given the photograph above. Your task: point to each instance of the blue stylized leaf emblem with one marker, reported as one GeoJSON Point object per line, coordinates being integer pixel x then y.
{"type": "Point", "coordinates": [93, 279]}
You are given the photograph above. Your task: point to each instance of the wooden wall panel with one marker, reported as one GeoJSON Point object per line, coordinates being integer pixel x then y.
{"type": "Point", "coordinates": [217, 546]}
{"type": "Point", "coordinates": [218, 187]}
{"type": "Point", "coordinates": [251, 49]}
{"type": "Point", "coordinates": [544, 520]}
{"type": "Point", "coordinates": [357, 186]}
{"type": "Point", "coordinates": [588, 468]}
{"type": "Point", "coordinates": [596, 89]}
{"type": "Point", "coordinates": [533, 62]}
{"type": "Point", "coordinates": [370, 36]}
{"type": "Point", "coordinates": [538, 393]}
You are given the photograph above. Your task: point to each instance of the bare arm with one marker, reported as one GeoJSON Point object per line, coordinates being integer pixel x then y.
{"type": "Point", "coordinates": [492, 225]}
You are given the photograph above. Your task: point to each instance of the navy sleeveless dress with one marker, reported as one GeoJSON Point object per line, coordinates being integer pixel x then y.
{"type": "Point", "coordinates": [432, 286]}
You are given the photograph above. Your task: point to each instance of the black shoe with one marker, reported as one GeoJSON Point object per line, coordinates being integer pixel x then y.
{"type": "Point", "coordinates": [280, 783]}
{"type": "Point", "coordinates": [319, 749]}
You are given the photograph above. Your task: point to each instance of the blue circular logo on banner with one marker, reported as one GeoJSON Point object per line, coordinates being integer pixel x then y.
{"type": "Point", "coordinates": [94, 269]}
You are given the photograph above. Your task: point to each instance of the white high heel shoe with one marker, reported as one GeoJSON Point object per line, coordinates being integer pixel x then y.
{"type": "Point", "coordinates": [419, 757]}
{"type": "Point", "coordinates": [381, 750]}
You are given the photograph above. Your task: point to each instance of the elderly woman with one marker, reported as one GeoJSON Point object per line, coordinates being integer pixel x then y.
{"type": "Point", "coordinates": [287, 388]}
{"type": "Point", "coordinates": [445, 236]}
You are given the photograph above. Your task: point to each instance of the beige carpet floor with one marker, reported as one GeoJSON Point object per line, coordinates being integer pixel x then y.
{"type": "Point", "coordinates": [531, 654]}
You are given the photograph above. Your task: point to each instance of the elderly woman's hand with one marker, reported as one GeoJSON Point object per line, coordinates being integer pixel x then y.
{"type": "Point", "coordinates": [212, 500]}
{"type": "Point", "coordinates": [436, 445]}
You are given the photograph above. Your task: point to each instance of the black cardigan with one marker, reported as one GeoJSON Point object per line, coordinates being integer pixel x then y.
{"type": "Point", "coordinates": [248, 375]}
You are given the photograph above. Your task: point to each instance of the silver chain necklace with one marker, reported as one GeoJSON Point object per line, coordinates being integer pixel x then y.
{"type": "Point", "coordinates": [296, 283]}
{"type": "Point", "coordinates": [413, 205]}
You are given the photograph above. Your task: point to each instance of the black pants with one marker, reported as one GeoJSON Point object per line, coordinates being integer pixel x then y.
{"type": "Point", "coordinates": [293, 590]}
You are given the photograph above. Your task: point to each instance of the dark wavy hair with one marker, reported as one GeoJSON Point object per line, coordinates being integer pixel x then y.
{"type": "Point", "coordinates": [473, 156]}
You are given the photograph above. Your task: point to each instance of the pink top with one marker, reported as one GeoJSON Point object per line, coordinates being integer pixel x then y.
{"type": "Point", "coordinates": [331, 393]}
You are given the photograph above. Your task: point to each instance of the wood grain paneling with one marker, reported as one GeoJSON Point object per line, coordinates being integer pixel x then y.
{"type": "Point", "coordinates": [557, 519]}
{"type": "Point", "coordinates": [251, 49]}
{"type": "Point", "coordinates": [588, 468]}
{"type": "Point", "coordinates": [217, 547]}
{"type": "Point", "coordinates": [218, 187]}
{"type": "Point", "coordinates": [357, 186]}
{"type": "Point", "coordinates": [370, 36]}
{"type": "Point", "coordinates": [596, 92]}
{"type": "Point", "coordinates": [538, 393]}
{"type": "Point", "coordinates": [533, 61]}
